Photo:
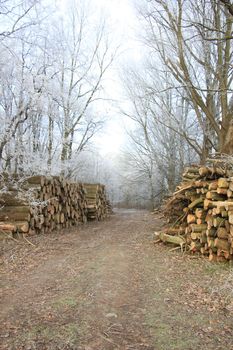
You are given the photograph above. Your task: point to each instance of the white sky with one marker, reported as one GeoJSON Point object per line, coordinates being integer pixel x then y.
{"type": "Point", "coordinates": [121, 16]}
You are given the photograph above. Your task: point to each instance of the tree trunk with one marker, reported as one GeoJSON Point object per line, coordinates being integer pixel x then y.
{"type": "Point", "coordinates": [226, 141]}
{"type": "Point", "coordinates": [65, 146]}
{"type": "Point", "coordinates": [50, 142]}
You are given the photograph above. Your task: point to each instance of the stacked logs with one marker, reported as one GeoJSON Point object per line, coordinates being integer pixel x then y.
{"type": "Point", "coordinates": [201, 211]}
{"type": "Point", "coordinates": [41, 204]}
{"type": "Point", "coordinates": [98, 207]}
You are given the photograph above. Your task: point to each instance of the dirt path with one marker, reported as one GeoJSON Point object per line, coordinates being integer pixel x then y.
{"type": "Point", "coordinates": [107, 286]}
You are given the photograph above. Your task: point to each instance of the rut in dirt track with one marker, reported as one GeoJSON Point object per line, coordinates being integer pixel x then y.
{"type": "Point", "coordinates": [107, 286]}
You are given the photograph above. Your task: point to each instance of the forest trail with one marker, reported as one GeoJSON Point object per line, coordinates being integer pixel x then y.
{"type": "Point", "coordinates": [106, 286]}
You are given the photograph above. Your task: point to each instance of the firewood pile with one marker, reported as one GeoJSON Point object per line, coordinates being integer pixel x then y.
{"type": "Point", "coordinates": [41, 204]}
{"type": "Point", "coordinates": [200, 213]}
{"type": "Point", "coordinates": [98, 207]}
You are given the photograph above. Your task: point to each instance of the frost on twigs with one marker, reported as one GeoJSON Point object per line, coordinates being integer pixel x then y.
{"type": "Point", "coordinates": [17, 188]}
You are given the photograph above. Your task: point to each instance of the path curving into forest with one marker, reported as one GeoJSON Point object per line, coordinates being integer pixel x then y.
{"type": "Point", "coordinates": [106, 286]}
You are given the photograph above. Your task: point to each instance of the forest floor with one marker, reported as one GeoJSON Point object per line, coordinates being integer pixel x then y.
{"type": "Point", "coordinates": [107, 286]}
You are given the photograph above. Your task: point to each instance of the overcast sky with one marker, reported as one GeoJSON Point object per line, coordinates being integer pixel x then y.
{"type": "Point", "coordinates": [122, 19]}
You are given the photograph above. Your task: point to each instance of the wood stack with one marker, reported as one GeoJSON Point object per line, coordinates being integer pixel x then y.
{"type": "Point", "coordinates": [97, 203]}
{"type": "Point", "coordinates": [41, 204]}
{"type": "Point", "coordinates": [201, 210]}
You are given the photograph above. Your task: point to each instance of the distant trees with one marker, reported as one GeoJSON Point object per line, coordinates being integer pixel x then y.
{"type": "Point", "coordinates": [158, 146]}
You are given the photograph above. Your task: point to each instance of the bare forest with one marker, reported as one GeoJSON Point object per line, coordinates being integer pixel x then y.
{"type": "Point", "coordinates": [116, 174]}
{"type": "Point", "coordinates": [54, 69]}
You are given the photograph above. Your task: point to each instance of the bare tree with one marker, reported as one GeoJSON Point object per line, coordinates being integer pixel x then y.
{"type": "Point", "coordinates": [82, 61]}
{"type": "Point", "coordinates": [193, 40]}
{"type": "Point", "coordinates": [229, 5]}
{"type": "Point", "coordinates": [51, 81]}
{"type": "Point", "coordinates": [16, 16]}
{"type": "Point", "coordinates": [163, 134]}
{"type": "Point", "coordinates": [18, 100]}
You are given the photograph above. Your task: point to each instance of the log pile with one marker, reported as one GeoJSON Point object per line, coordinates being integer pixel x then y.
{"type": "Point", "coordinates": [41, 204]}
{"type": "Point", "coordinates": [98, 206]}
{"type": "Point", "coordinates": [201, 212]}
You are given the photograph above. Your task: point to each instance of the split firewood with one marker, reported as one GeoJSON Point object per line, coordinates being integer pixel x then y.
{"type": "Point", "coordinates": [42, 204]}
{"type": "Point", "coordinates": [204, 209]}
{"type": "Point", "coordinates": [222, 233]}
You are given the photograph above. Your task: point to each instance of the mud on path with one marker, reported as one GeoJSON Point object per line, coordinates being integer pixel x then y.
{"type": "Point", "coordinates": [106, 286]}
